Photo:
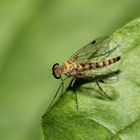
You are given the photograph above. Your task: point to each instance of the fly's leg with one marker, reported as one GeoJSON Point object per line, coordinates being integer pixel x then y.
{"type": "Point", "coordinates": [53, 99]}
{"type": "Point", "coordinates": [72, 86]}
{"type": "Point", "coordinates": [105, 94]}
{"type": "Point", "coordinates": [60, 86]}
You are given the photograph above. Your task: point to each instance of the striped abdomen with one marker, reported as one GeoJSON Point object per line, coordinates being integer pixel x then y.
{"type": "Point", "coordinates": [88, 66]}
{"type": "Point", "coordinates": [71, 68]}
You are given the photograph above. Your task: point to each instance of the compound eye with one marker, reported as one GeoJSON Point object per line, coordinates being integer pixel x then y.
{"type": "Point", "coordinates": [56, 71]}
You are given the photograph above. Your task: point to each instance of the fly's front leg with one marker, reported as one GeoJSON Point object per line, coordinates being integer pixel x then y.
{"type": "Point", "coordinates": [72, 86]}
{"type": "Point", "coordinates": [55, 95]}
{"type": "Point", "coordinates": [62, 86]}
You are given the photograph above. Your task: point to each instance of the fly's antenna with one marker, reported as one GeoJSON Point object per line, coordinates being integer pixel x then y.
{"type": "Point", "coordinates": [48, 69]}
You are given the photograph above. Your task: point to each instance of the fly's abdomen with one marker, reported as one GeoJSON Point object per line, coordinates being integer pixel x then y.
{"type": "Point", "coordinates": [89, 66]}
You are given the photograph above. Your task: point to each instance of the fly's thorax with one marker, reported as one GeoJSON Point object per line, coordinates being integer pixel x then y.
{"type": "Point", "coordinates": [69, 66]}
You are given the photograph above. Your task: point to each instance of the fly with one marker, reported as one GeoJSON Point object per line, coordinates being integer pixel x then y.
{"type": "Point", "coordinates": [87, 63]}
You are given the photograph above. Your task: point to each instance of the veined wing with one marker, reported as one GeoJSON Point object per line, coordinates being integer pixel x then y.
{"type": "Point", "coordinates": [104, 75]}
{"type": "Point", "coordinates": [97, 50]}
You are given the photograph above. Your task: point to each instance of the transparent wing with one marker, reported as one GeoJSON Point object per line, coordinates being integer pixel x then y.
{"type": "Point", "coordinates": [111, 80]}
{"type": "Point", "coordinates": [104, 75]}
{"type": "Point", "coordinates": [108, 76]}
{"type": "Point", "coordinates": [97, 50]}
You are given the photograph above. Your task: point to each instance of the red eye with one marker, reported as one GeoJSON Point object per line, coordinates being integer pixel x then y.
{"type": "Point", "coordinates": [56, 71]}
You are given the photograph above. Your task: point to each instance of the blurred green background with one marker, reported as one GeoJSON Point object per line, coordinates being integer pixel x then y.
{"type": "Point", "coordinates": [34, 34]}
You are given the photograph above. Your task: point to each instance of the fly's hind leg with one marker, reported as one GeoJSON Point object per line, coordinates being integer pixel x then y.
{"type": "Point", "coordinates": [104, 93]}
{"type": "Point", "coordinates": [72, 86]}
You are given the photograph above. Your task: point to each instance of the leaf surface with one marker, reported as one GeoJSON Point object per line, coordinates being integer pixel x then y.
{"type": "Point", "coordinates": [98, 118]}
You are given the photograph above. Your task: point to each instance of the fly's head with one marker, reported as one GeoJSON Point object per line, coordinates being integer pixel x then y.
{"type": "Point", "coordinates": [56, 71]}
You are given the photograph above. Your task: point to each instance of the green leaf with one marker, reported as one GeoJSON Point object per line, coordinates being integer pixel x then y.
{"type": "Point", "coordinates": [99, 118]}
